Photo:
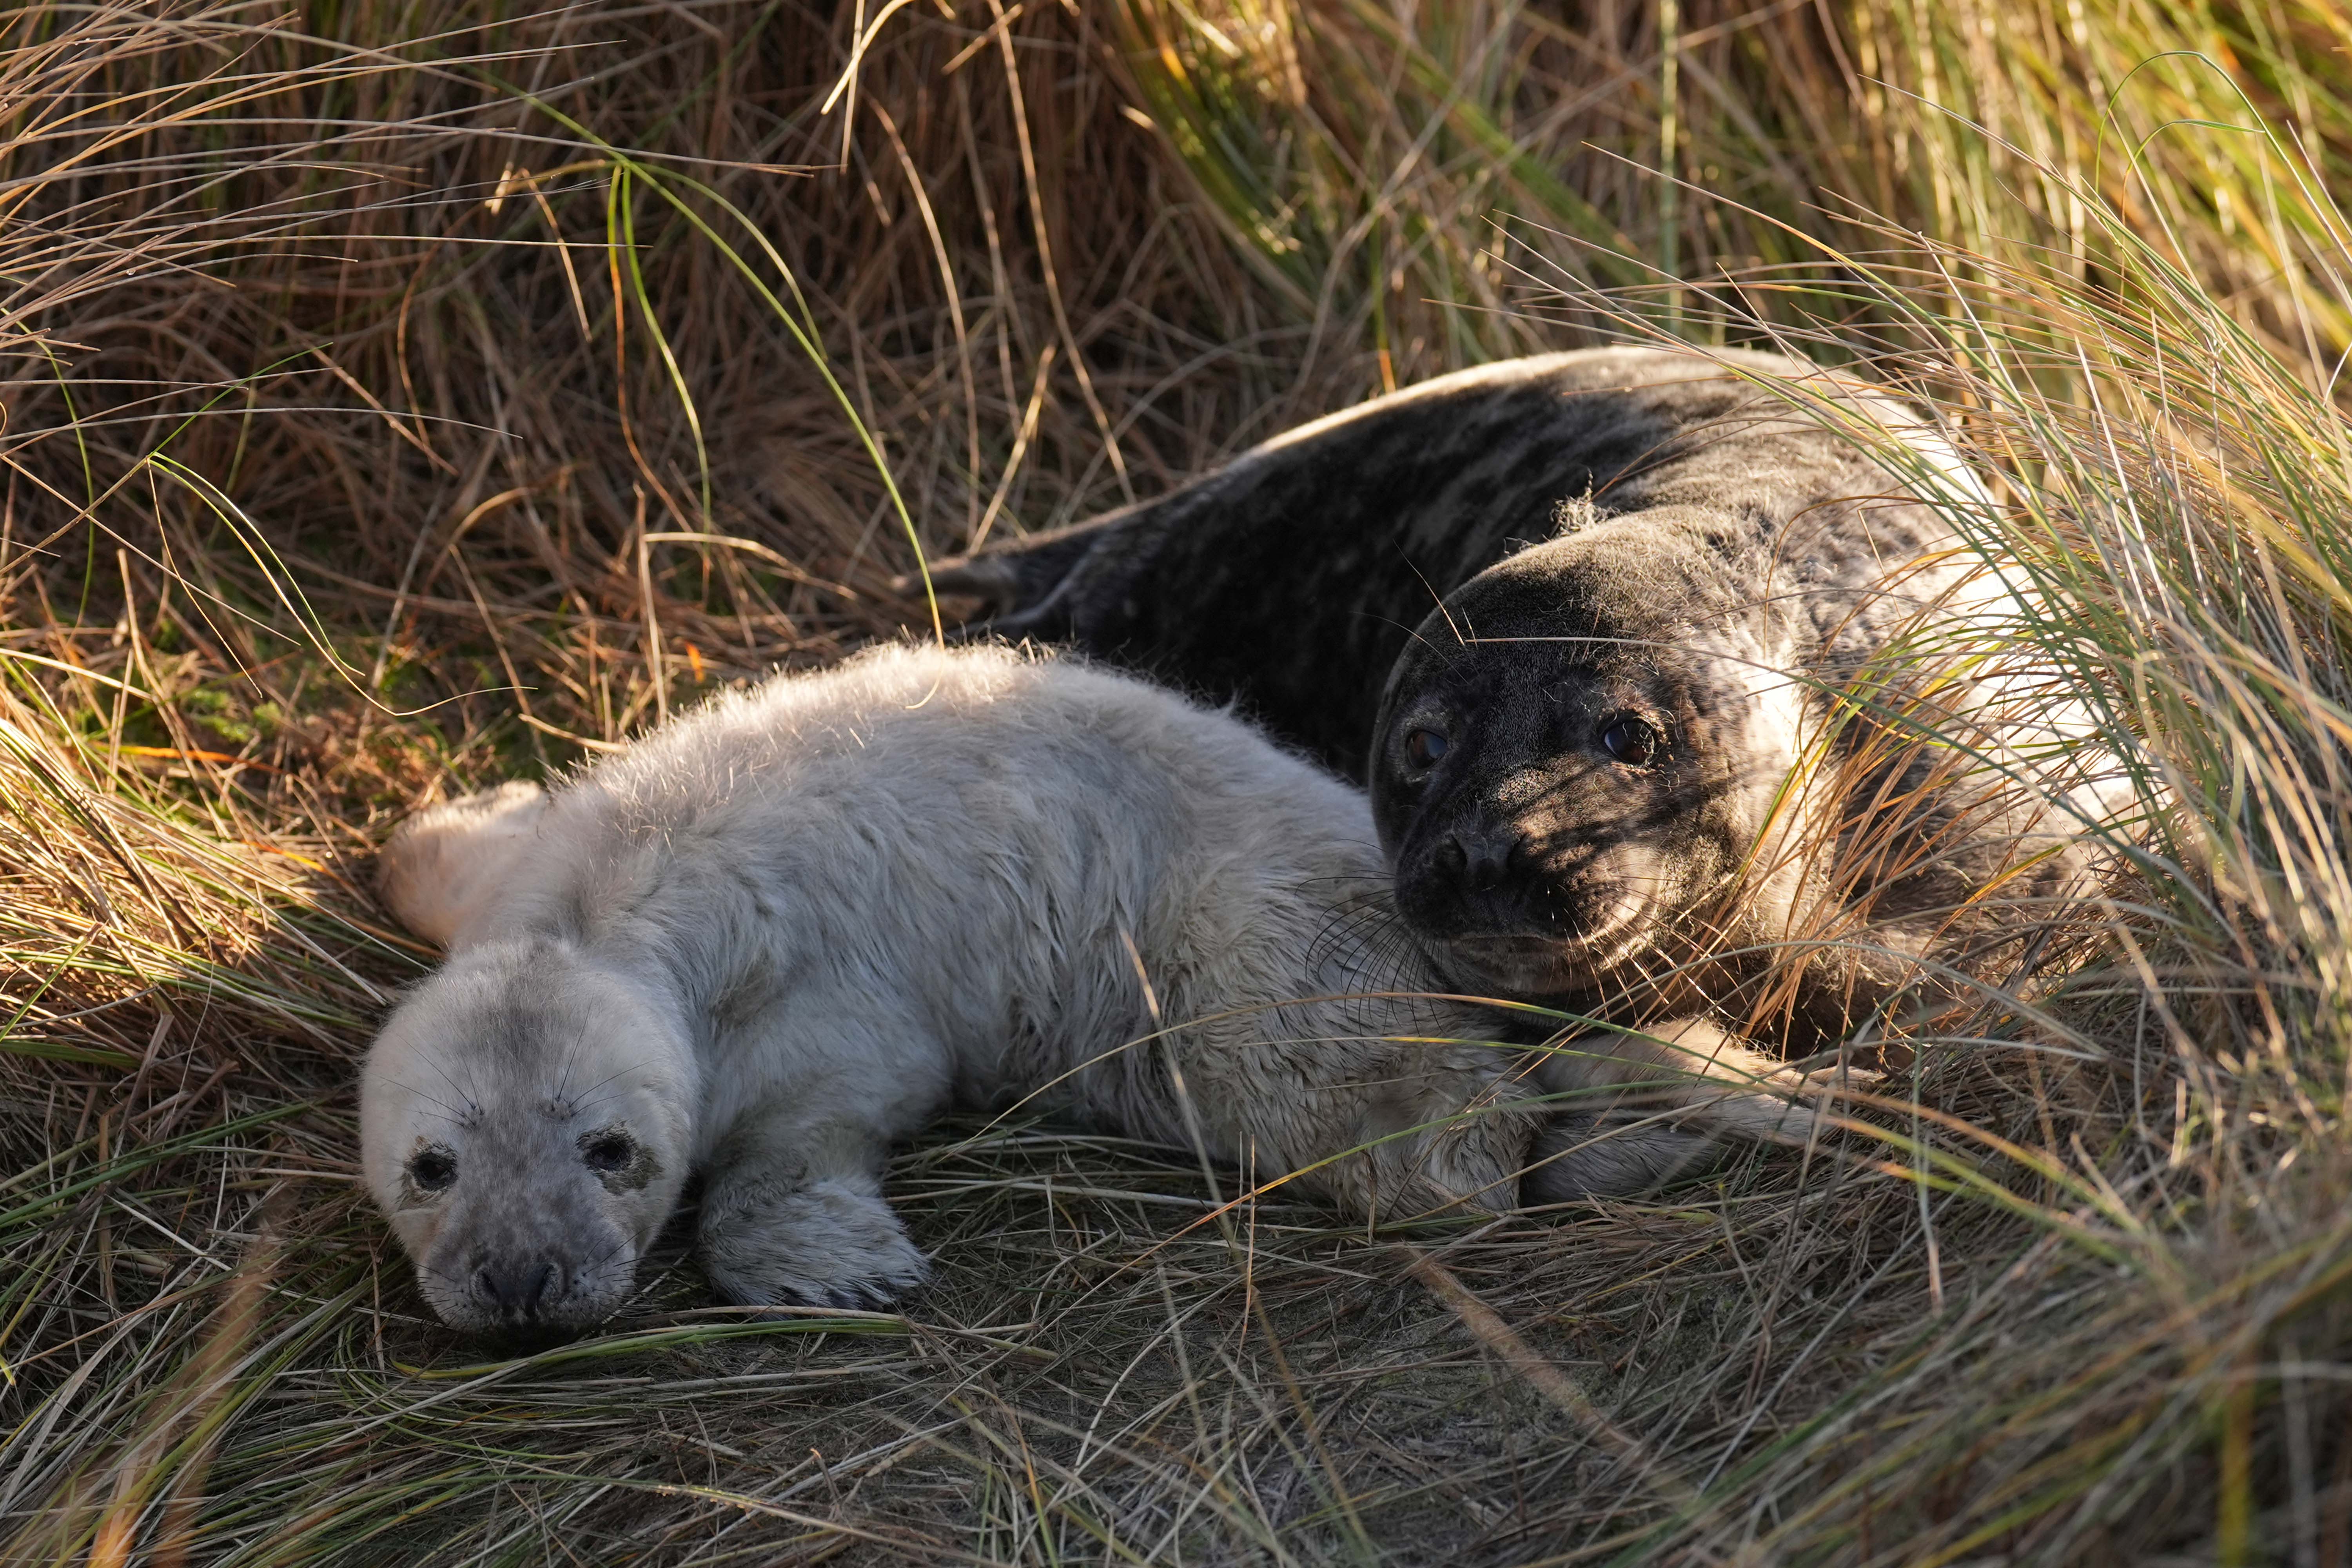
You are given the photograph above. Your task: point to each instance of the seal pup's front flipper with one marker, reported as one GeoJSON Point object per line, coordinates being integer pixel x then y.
{"type": "Point", "coordinates": [794, 1213]}
{"type": "Point", "coordinates": [449, 863]}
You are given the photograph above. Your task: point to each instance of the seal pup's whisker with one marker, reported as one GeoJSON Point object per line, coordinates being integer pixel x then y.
{"type": "Point", "coordinates": [564, 1079]}
{"type": "Point", "coordinates": [448, 1111]}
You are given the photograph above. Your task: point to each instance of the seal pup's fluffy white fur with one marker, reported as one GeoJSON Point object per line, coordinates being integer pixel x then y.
{"type": "Point", "coordinates": [798, 924]}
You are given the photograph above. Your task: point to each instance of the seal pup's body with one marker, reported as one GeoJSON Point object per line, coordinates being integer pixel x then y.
{"type": "Point", "coordinates": [1622, 543]}
{"type": "Point", "coordinates": [796, 925]}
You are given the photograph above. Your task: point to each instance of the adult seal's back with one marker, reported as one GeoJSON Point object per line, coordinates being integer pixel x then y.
{"type": "Point", "coordinates": [1575, 616]}
{"type": "Point", "coordinates": [1294, 576]}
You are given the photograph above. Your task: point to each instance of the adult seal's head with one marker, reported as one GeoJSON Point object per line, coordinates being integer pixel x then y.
{"type": "Point", "coordinates": [526, 1126]}
{"type": "Point", "coordinates": [1577, 756]}
{"type": "Point", "coordinates": [1672, 763]}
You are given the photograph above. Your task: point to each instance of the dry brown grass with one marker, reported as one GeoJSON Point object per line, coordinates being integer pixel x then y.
{"type": "Point", "coordinates": [399, 398]}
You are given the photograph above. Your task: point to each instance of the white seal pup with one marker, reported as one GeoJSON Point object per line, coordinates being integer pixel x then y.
{"type": "Point", "coordinates": [796, 924]}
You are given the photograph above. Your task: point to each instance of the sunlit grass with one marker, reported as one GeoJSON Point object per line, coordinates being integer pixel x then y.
{"type": "Point", "coordinates": [399, 401]}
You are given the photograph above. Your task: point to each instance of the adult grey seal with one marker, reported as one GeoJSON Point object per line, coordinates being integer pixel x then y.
{"type": "Point", "coordinates": [1292, 577]}
{"type": "Point", "coordinates": [793, 926]}
{"type": "Point", "coordinates": [1583, 619]}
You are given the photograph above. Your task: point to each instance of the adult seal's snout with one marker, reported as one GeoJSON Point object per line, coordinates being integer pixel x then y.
{"type": "Point", "coordinates": [1479, 856]}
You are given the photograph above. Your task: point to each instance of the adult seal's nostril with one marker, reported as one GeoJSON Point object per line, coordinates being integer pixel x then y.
{"type": "Point", "coordinates": [1478, 858]}
{"type": "Point", "coordinates": [1488, 855]}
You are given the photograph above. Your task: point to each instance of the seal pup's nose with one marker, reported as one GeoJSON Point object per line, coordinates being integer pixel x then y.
{"type": "Point", "coordinates": [1478, 856]}
{"type": "Point", "coordinates": [517, 1289]}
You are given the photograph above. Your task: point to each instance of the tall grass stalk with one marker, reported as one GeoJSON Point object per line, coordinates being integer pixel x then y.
{"type": "Point", "coordinates": [2171, 484]}
{"type": "Point", "coordinates": [400, 399]}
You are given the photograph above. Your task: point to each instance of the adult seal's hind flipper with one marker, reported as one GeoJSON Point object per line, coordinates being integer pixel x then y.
{"type": "Point", "coordinates": [1292, 577]}
{"type": "Point", "coordinates": [1019, 586]}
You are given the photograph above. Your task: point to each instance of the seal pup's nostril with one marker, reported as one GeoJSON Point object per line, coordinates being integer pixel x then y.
{"type": "Point", "coordinates": [515, 1289]}
{"type": "Point", "coordinates": [1450, 856]}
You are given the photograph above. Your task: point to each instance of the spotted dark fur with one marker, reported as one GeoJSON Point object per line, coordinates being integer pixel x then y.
{"type": "Point", "coordinates": [1292, 577]}
{"type": "Point", "coordinates": [1619, 530]}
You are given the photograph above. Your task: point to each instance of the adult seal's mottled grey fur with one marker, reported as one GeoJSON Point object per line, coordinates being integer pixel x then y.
{"type": "Point", "coordinates": [1294, 576]}
{"type": "Point", "coordinates": [1573, 617]}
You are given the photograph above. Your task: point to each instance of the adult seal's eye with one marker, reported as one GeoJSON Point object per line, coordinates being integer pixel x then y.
{"type": "Point", "coordinates": [433, 1169]}
{"type": "Point", "coordinates": [1630, 741]}
{"type": "Point", "coordinates": [608, 1150]}
{"type": "Point", "coordinates": [1423, 747]}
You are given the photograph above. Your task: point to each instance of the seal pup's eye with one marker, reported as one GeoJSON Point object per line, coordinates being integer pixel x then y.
{"type": "Point", "coordinates": [1630, 741]}
{"type": "Point", "coordinates": [608, 1150]}
{"type": "Point", "coordinates": [1422, 747]}
{"type": "Point", "coordinates": [432, 1170]}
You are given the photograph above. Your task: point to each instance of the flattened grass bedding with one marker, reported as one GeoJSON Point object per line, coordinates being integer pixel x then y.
{"type": "Point", "coordinates": [399, 399]}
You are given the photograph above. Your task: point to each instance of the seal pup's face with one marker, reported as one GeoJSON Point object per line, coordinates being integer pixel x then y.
{"type": "Point", "coordinates": [523, 1122]}
{"type": "Point", "coordinates": [1566, 773]}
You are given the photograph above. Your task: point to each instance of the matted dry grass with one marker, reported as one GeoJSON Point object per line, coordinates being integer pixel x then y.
{"type": "Point", "coordinates": [397, 399]}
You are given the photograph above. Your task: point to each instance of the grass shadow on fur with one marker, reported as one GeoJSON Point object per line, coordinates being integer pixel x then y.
{"type": "Point", "coordinates": [316, 305]}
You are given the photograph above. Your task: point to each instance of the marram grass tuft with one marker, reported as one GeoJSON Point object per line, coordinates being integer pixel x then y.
{"type": "Point", "coordinates": [398, 399]}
